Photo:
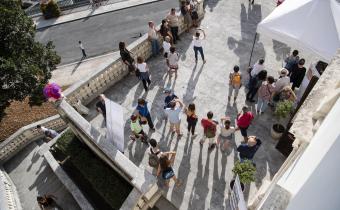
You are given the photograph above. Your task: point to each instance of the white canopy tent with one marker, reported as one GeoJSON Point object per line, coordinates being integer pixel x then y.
{"type": "Point", "coordinates": [310, 25]}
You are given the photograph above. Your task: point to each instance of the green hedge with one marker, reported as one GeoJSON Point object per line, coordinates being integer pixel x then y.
{"type": "Point", "coordinates": [50, 10]}
{"type": "Point", "coordinates": [108, 183]}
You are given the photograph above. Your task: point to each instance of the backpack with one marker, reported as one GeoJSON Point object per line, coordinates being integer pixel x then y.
{"type": "Point", "coordinates": [153, 159]}
{"type": "Point", "coordinates": [211, 131]}
{"type": "Point", "coordinates": [236, 79]}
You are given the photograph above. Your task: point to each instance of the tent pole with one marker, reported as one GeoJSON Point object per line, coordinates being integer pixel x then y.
{"type": "Point", "coordinates": [252, 49]}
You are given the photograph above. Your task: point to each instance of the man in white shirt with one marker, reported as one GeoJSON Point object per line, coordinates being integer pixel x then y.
{"type": "Point", "coordinates": [82, 49]}
{"type": "Point", "coordinates": [153, 38]}
{"type": "Point", "coordinates": [259, 66]}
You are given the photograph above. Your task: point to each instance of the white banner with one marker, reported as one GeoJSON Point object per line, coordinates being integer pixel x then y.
{"type": "Point", "coordinates": [236, 200]}
{"type": "Point", "coordinates": [114, 124]}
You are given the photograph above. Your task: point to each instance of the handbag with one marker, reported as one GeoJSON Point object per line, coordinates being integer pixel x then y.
{"type": "Point", "coordinates": [168, 173]}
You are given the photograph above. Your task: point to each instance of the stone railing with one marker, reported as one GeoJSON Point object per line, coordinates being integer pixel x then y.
{"type": "Point", "coordinates": [8, 195]}
{"type": "Point", "coordinates": [26, 135]}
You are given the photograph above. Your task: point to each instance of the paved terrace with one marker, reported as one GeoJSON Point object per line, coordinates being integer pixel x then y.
{"type": "Point", "coordinates": [230, 27]}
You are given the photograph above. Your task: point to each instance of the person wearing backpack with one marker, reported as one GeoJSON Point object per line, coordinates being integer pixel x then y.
{"type": "Point", "coordinates": [209, 127]}
{"type": "Point", "coordinates": [154, 153]}
{"type": "Point", "coordinates": [235, 79]}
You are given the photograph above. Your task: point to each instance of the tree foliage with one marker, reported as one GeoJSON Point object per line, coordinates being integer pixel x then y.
{"type": "Point", "coordinates": [25, 65]}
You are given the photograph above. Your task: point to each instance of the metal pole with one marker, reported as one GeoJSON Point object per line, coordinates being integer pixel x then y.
{"type": "Point", "coordinates": [252, 49]}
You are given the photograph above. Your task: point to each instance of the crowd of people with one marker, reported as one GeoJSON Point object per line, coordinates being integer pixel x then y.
{"type": "Point", "coordinates": [265, 90]}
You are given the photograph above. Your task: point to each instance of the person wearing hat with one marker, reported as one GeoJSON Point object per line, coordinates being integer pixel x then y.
{"type": "Point", "coordinates": [137, 129]}
{"type": "Point", "coordinates": [169, 97]}
{"type": "Point", "coordinates": [248, 150]}
{"type": "Point", "coordinates": [283, 80]}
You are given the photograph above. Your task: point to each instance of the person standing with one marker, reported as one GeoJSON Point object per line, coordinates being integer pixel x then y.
{"type": "Point", "coordinates": [173, 23]}
{"type": "Point", "coordinates": [173, 114]}
{"type": "Point", "coordinates": [292, 60]}
{"type": "Point", "coordinates": [194, 14]}
{"type": "Point", "coordinates": [100, 106]}
{"type": "Point", "coordinates": [282, 82]}
{"type": "Point", "coordinates": [265, 93]}
{"type": "Point", "coordinates": [144, 75]}
{"type": "Point", "coordinates": [192, 118]}
{"type": "Point", "coordinates": [226, 131]}
{"type": "Point", "coordinates": [257, 67]}
{"type": "Point", "coordinates": [185, 11]}
{"type": "Point", "coordinates": [172, 61]}
{"type": "Point", "coordinates": [209, 127]}
{"type": "Point", "coordinates": [247, 150]}
{"type": "Point", "coordinates": [166, 46]}
{"type": "Point", "coordinates": [153, 38]}
{"type": "Point", "coordinates": [197, 43]}
{"type": "Point", "coordinates": [81, 46]}
{"type": "Point", "coordinates": [137, 129]}
{"type": "Point", "coordinates": [255, 84]}
{"type": "Point", "coordinates": [165, 30]}
{"type": "Point", "coordinates": [143, 113]}
{"type": "Point", "coordinates": [235, 83]}
{"type": "Point", "coordinates": [169, 98]}
{"type": "Point", "coordinates": [154, 153]}
{"type": "Point", "coordinates": [298, 73]}
{"type": "Point", "coordinates": [165, 169]}
{"type": "Point", "coordinates": [244, 120]}
{"type": "Point", "coordinates": [126, 57]}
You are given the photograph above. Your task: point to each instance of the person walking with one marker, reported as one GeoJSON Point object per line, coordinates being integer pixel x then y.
{"type": "Point", "coordinates": [144, 75]}
{"type": "Point", "coordinates": [226, 133]}
{"type": "Point", "coordinates": [143, 113]}
{"type": "Point", "coordinates": [194, 14]}
{"type": "Point", "coordinates": [173, 114]}
{"type": "Point", "coordinates": [165, 30]}
{"type": "Point", "coordinates": [153, 38]}
{"type": "Point", "coordinates": [248, 149]}
{"type": "Point", "coordinates": [173, 23]}
{"type": "Point", "coordinates": [292, 60]}
{"type": "Point", "coordinates": [172, 61]}
{"type": "Point", "coordinates": [192, 118]}
{"type": "Point", "coordinates": [126, 57]}
{"type": "Point", "coordinates": [253, 71]}
{"type": "Point", "coordinates": [165, 169]}
{"type": "Point", "coordinates": [297, 74]}
{"type": "Point", "coordinates": [81, 46]}
{"type": "Point", "coordinates": [197, 43]}
{"type": "Point", "coordinates": [169, 97]}
{"type": "Point", "coordinates": [209, 128]}
{"type": "Point", "coordinates": [255, 84]}
{"type": "Point", "coordinates": [154, 154]}
{"type": "Point", "coordinates": [243, 121]}
{"type": "Point", "coordinates": [235, 83]}
{"type": "Point", "coordinates": [100, 105]}
{"type": "Point", "coordinates": [137, 129]}
{"type": "Point", "coordinates": [265, 93]}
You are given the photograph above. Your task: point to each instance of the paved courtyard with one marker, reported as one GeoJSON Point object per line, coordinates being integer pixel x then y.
{"type": "Point", "coordinates": [230, 27]}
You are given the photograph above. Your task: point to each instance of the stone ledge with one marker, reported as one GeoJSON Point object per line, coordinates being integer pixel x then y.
{"type": "Point", "coordinates": [67, 182]}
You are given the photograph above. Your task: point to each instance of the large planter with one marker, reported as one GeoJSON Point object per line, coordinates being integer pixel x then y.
{"type": "Point", "coordinates": [277, 131]}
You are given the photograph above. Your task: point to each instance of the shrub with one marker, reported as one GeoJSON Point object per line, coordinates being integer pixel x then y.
{"type": "Point", "coordinates": [283, 109]}
{"type": "Point", "coordinates": [245, 170]}
{"type": "Point", "coordinates": [50, 9]}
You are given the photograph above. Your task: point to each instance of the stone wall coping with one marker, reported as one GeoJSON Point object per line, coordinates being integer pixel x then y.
{"type": "Point", "coordinates": [9, 198]}
{"type": "Point", "coordinates": [67, 182]}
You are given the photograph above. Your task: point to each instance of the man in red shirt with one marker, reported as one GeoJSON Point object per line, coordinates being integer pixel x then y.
{"type": "Point", "coordinates": [209, 127]}
{"type": "Point", "coordinates": [243, 121]}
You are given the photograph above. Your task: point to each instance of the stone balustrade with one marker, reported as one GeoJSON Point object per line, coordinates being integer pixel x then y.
{"type": "Point", "coordinates": [26, 135]}
{"type": "Point", "coordinates": [8, 195]}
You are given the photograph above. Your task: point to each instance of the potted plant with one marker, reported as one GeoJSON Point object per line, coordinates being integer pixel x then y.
{"type": "Point", "coordinates": [50, 9]}
{"type": "Point", "coordinates": [282, 110]}
{"type": "Point", "coordinates": [245, 171]}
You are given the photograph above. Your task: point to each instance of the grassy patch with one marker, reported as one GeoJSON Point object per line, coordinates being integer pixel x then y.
{"type": "Point", "coordinates": [108, 183]}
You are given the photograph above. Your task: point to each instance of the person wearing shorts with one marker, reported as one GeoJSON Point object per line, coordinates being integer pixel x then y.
{"type": "Point", "coordinates": [226, 133]}
{"type": "Point", "coordinates": [173, 114]}
{"type": "Point", "coordinates": [209, 127]}
{"type": "Point", "coordinates": [243, 121]}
